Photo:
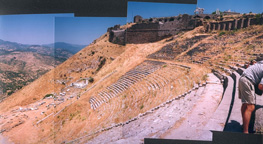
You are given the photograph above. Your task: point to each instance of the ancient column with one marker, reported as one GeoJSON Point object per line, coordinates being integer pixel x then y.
{"type": "Point", "coordinates": [239, 24]}
{"type": "Point", "coordinates": [245, 23]}
{"type": "Point", "coordinates": [248, 23]}
{"type": "Point", "coordinates": [230, 26]}
{"type": "Point", "coordinates": [211, 26]}
{"type": "Point", "coordinates": [227, 25]}
{"type": "Point", "coordinates": [235, 24]}
{"type": "Point", "coordinates": [219, 26]}
{"type": "Point", "coordinates": [214, 26]}
{"type": "Point", "coordinates": [207, 27]}
{"type": "Point", "coordinates": [242, 23]}
{"type": "Point", "coordinates": [224, 26]}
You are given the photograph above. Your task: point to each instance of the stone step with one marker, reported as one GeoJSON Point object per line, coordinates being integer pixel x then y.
{"type": "Point", "coordinates": [114, 89]}
{"type": "Point", "coordinates": [234, 123]}
{"type": "Point", "coordinates": [218, 121]}
{"type": "Point", "coordinates": [258, 125]}
{"type": "Point", "coordinates": [127, 80]}
{"type": "Point", "coordinates": [104, 96]}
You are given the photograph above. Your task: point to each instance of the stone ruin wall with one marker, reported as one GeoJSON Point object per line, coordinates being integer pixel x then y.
{"type": "Point", "coordinates": [233, 25]}
{"type": "Point", "coordinates": [153, 30]}
{"type": "Point", "coordinates": [117, 36]}
{"type": "Point", "coordinates": [158, 29]}
{"type": "Point", "coordinates": [145, 26]}
{"type": "Point", "coordinates": [146, 36]}
{"type": "Point", "coordinates": [143, 33]}
{"type": "Point", "coordinates": [146, 30]}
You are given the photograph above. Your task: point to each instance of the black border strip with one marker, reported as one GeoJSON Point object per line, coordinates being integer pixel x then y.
{"type": "Point", "coordinates": [169, 1]}
{"type": "Point", "coordinates": [93, 8]}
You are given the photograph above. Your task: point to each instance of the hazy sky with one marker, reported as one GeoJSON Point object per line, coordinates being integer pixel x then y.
{"type": "Point", "coordinates": [29, 29]}
{"type": "Point", "coordinates": [83, 30]}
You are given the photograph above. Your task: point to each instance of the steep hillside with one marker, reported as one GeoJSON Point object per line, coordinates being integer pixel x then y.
{"type": "Point", "coordinates": [224, 48]}
{"type": "Point", "coordinates": [106, 86]}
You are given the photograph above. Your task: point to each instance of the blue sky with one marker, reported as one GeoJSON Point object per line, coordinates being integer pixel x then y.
{"type": "Point", "coordinates": [83, 30]}
{"type": "Point", "coordinates": [147, 9]}
{"type": "Point", "coordinates": [242, 6]}
{"type": "Point", "coordinates": [29, 29]}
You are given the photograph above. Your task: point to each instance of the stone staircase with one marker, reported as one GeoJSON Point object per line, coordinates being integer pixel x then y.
{"type": "Point", "coordinates": [226, 118]}
{"type": "Point", "coordinates": [169, 111]}
{"type": "Point", "coordinates": [125, 82]}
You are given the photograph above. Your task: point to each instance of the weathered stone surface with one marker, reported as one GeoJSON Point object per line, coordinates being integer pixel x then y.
{"type": "Point", "coordinates": [152, 30]}
{"type": "Point", "coordinates": [234, 123]}
{"type": "Point", "coordinates": [258, 126]}
{"type": "Point", "coordinates": [137, 18]}
{"type": "Point", "coordinates": [217, 121]}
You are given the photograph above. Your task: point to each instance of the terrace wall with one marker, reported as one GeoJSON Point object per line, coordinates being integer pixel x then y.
{"type": "Point", "coordinates": [234, 24]}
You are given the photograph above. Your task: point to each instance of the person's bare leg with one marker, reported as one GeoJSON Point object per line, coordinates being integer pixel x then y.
{"type": "Point", "coordinates": [243, 108]}
{"type": "Point", "coordinates": [249, 108]}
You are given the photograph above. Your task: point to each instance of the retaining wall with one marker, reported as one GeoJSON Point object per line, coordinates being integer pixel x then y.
{"type": "Point", "coordinates": [159, 28]}
{"type": "Point", "coordinates": [234, 24]}
{"type": "Point", "coordinates": [117, 36]}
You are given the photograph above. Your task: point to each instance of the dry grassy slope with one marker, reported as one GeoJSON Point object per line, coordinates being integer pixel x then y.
{"type": "Point", "coordinates": [88, 120]}
{"type": "Point", "coordinates": [77, 66]}
{"type": "Point", "coordinates": [79, 119]}
{"type": "Point", "coordinates": [47, 83]}
{"type": "Point", "coordinates": [21, 68]}
{"type": "Point", "coordinates": [224, 48]}
{"type": "Point", "coordinates": [133, 55]}
{"type": "Point", "coordinates": [29, 65]}
{"type": "Point", "coordinates": [21, 64]}
{"type": "Point", "coordinates": [238, 46]}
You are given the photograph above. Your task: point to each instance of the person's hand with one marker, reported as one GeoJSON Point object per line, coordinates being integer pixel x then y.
{"type": "Point", "coordinates": [260, 86]}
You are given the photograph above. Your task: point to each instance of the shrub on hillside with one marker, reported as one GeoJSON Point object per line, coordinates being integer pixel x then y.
{"type": "Point", "coordinates": [221, 33]}
{"type": "Point", "coordinates": [102, 62]}
{"type": "Point", "coordinates": [91, 79]}
{"type": "Point", "coordinates": [48, 95]}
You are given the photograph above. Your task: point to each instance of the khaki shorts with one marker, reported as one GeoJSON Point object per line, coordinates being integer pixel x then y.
{"type": "Point", "coordinates": [246, 91]}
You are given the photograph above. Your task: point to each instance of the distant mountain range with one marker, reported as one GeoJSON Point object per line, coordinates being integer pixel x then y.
{"type": "Point", "coordinates": [21, 63]}
{"type": "Point", "coordinates": [73, 48]}
{"type": "Point", "coordinates": [48, 49]}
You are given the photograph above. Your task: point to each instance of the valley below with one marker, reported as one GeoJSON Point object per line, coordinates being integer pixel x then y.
{"type": "Point", "coordinates": [22, 64]}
